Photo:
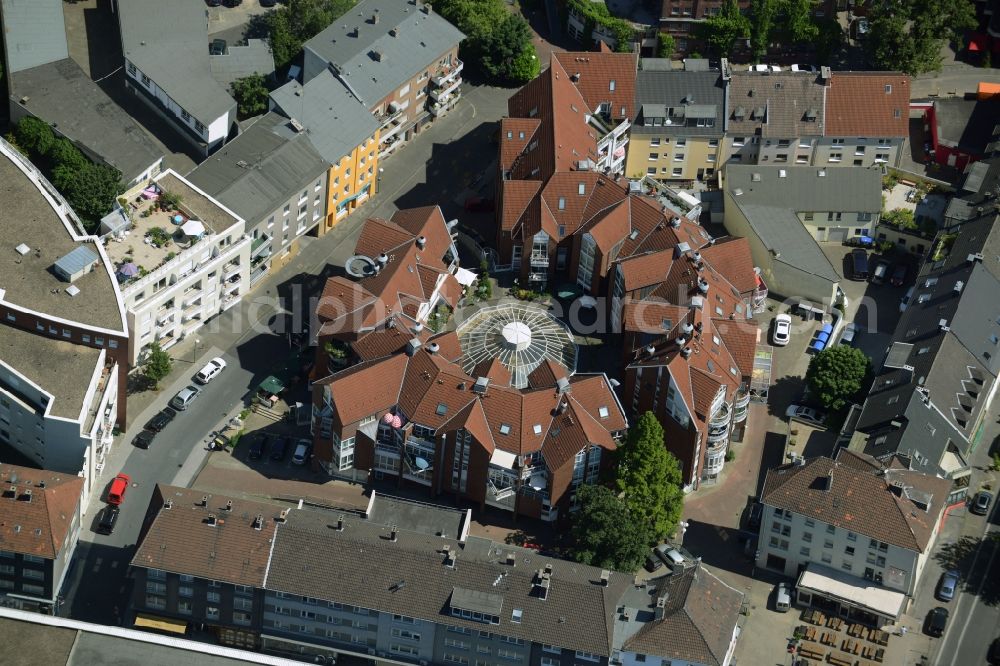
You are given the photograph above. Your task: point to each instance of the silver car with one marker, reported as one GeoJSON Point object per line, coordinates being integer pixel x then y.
{"type": "Point", "coordinates": [947, 585]}
{"type": "Point", "coordinates": [184, 398]}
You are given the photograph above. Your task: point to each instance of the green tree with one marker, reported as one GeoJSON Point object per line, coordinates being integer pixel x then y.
{"type": "Point", "coordinates": [251, 95]}
{"type": "Point", "coordinates": [943, 19]}
{"type": "Point", "coordinates": [289, 27]}
{"type": "Point", "coordinates": [649, 478]}
{"type": "Point", "coordinates": [158, 364]}
{"type": "Point", "coordinates": [761, 26]}
{"type": "Point", "coordinates": [34, 136]}
{"type": "Point", "coordinates": [836, 374]}
{"type": "Point", "coordinates": [664, 45]}
{"type": "Point", "coordinates": [92, 193]}
{"type": "Point", "coordinates": [67, 161]}
{"type": "Point", "coordinates": [605, 534]}
{"type": "Point", "coordinates": [721, 31]}
{"type": "Point", "coordinates": [506, 51]}
{"type": "Point", "coordinates": [829, 39]}
{"type": "Point", "coordinates": [798, 25]}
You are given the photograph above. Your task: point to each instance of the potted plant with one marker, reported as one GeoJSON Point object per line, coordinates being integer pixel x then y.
{"type": "Point", "coordinates": [336, 353]}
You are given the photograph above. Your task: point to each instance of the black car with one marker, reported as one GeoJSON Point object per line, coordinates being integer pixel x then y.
{"type": "Point", "coordinates": [993, 655]}
{"type": "Point", "coordinates": [653, 563]}
{"type": "Point", "coordinates": [217, 47]}
{"type": "Point", "coordinates": [859, 264]}
{"type": "Point", "coordinates": [981, 503]}
{"type": "Point", "coordinates": [936, 621]}
{"type": "Point", "coordinates": [256, 449]}
{"type": "Point", "coordinates": [279, 447]}
{"type": "Point", "coordinates": [109, 516]}
{"type": "Point", "coordinates": [144, 439]}
{"type": "Point", "coordinates": [160, 421]}
{"type": "Point", "coordinates": [898, 276]}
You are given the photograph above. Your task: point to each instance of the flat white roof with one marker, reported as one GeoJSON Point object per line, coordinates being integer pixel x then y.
{"type": "Point", "coordinates": [851, 590]}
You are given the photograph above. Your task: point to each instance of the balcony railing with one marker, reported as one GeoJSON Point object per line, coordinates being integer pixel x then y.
{"type": "Point", "coordinates": [722, 417]}
{"type": "Point", "coordinates": [440, 108]}
{"type": "Point", "coordinates": [538, 277]}
{"type": "Point", "coordinates": [389, 116]}
{"type": "Point", "coordinates": [539, 260]}
{"type": "Point", "coordinates": [447, 77]}
{"type": "Point", "coordinates": [444, 94]}
{"type": "Point", "coordinates": [502, 497]}
{"type": "Point", "coordinates": [717, 436]}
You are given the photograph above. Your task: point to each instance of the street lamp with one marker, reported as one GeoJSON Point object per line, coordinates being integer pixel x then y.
{"type": "Point", "coordinates": [194, 356]}
{"type": "Point", "coordinates": [378, 180]}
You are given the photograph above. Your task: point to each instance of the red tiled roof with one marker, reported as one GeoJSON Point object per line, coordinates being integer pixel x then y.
{"type": "Point", "coordinates": [512, 143]}
{"type": "Point", "coordinates": [37, 527]}
{"type": "Point", "coordinates": [858, 104]}
{"type": "Point", "coordinates": [378, 236]}
{"type": "Point", "coordinates": [366, 388]}
{"type": "Point", "coordinates": [596, 71]}
{"type": "Point", "coordinates": [546, 374]}
{"type": "Point", "coordinates": [731, 257]}
{"type": "Point", "coordinates": [517, 198]}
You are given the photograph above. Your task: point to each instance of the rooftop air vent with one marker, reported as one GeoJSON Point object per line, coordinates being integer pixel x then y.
{"type": "Point", "coordinates": [412, 346]}
{"type": "Point", "coordinates": [282, 517]}
{"type": "Point", "coordinates": [421, 242]}
{"type": "Point", "coordinates": [258, 522]}
{"type": "Point", "coordinates": [296, 125]}
{"type": "Point", "coordinates": [686, 352]}
{"type": "Point", "coordinates": [382, 259]}
{"type": "Point", "coordinates": [22, 249]}
{"type": "Point", "coordinates": [605, 577]}
{"type": "Point", "coordinates": [211, 521]}
{"type": "Point", "coordinates": [433, 348]}
{"type": "Point", "coordinates": [482, 383]}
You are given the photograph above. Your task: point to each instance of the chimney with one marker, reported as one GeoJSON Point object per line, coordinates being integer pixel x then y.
{"type": "Point", "coordinates": [229, 505]}
{"type": "Point", "coordinates": [211, 521]}
{"type": "Point", "coordinates": [393, 534]}
{"type": "Point", "coordinates": [449, 557]}
{"type": "Point", "coordinates": [433, 348]}
{"type": "Point", "coordinates": [661, 604]}
{"type": "Point", "coordinates": [605, 577]}
{"type": "Point", "coordinates": [204, 500]}
{"type": "Point", "coordinates": [340, 523]}
{"type": "Point", "coordinates": [258, 522]}
{"type": "Point", "coordinates": [511, 559]}
{"type": "Point", "coordinates": [25, 495]}
{"type": "Point", "coordinates": [421, 242]}
{"type": "Point", "coordinates": [829, 481]}
{"type": "Point", "coordinates": [282, 517]}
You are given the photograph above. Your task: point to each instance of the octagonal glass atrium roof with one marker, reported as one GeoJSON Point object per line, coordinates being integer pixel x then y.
{"type": "Point", "coordinates": [520, 335]}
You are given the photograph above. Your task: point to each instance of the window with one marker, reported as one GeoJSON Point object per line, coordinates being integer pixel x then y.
{"type": "Point", "coordinates": [682, 142]}
{"type": "Point", "coordinates": [185, 591]}
{"type": "Point", "coordinates": [804, 551]}
{"type": "Point", "coordinates": [830, 529]}
{"type": "Point", "coordinates": [851, 536]}
{"type": "Point", "coordinates": [211, 613]}
{"type": "Point", "coordinates": [413, 636]}
{"type": "Point", "coordinates": [807, 537]}
{"type": "Point", "coordinates": [239, 617]}
{"type": "Point", "coordinates": [587, 656]}
{"type": "Point", "coordinates": [655, 141]}
{"type": "Point", "coordinates": [213, 597]}
{"type": "Point", "coordinates": [678, 172]}
{"type": "Point", "coordinates": [510, 655]}
{"type": "Point", "coordinates": [650, 171]}
{"type": "Point", "coordinates": [846, 565]}
{"type": "Point", "coordinates": [156, 588]}
{"type": "Point", "coordinates": [33, 574]}
{"type": "Point", "coordinates": [678, 157]}
{"type": "Point", "coordinates": [739, 141]}
{"type": "Point", "coordinates": [611, 85]}
{"type": "Point", "coordinates": [849, 550]}
{"type": "Point", "coordinates": [184, 607]}
{"type": "Point", "coordinates": [808, 217]}
{"type": "Point", "coordinates": [826, 558]}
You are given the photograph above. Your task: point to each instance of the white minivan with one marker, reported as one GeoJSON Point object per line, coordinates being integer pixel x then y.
{"type": "Point", "coordinates": [782, 599]}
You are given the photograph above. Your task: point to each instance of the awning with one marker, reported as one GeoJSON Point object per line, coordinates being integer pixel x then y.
{"type": "Point", "coordinates": [161, 624]}
{"type": "Point", "coordinates": [851, 590]}
{"type": "Point", "coordinates": [193, 228]}
{"type": "Point", "coordinates": [503, 459]}
{"type": "Point", "coordinates": [271, 385]}
{"type": "Point", "coordinates": [465, 277]}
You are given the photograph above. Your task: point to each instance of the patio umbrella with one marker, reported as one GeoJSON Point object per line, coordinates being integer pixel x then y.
{"type": "Point", "coordinates": [128, 270]}
{"type": "Point", "coordinates": [587, 301]}
{"type": "Point", "coordinates": [193, 228]}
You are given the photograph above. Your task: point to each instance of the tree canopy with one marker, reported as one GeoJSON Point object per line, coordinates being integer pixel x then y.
{"type": "Point", "coordinates": [89, 188]}
{"type": "Point", "coordinates": [762, 15]}
{"type": "Point", "coordinates": [721, 31]}
{"type": "Point", "coordinates": [604, 532]}
{"type": "Point", "coordinates": [291, 26]}
{"type": "Point", "coordinates": [910, 36]}
{"type": "Point", "coordinates": [158, 364]}
{"type": "Point", "coordinates": [836, 374]}
{"type": "Point", "coordinates": [251, 94]}
{"type": "Point", "coordinates": [649, 478]}
{"type": "Point", "coordinates": [498, 42]}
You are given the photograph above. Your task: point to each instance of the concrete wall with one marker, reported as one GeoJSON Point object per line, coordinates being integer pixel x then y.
{"type": "Point", "coordinates": [696, 152]}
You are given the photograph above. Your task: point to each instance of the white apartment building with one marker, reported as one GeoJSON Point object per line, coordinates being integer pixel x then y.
{"type": "Point", "coordinates": [855, 532]}
{"type": "Point", "coordinates": [63, 330]}
{"type": "Point", "coordinates": [190, 278]}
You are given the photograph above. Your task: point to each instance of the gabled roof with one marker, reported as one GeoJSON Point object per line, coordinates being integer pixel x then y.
{"type": "Point", "coordinates": [868, 104]}
{"type": "Point", "coordinates": [379, 45]}
{"type": "Point", "coordinates": [34, 33]}
{"type": "Point", "coordinates": [793, 104]}
{"type": "Point", "coordinates": [731, 256]}
{"type": "Point", "coordinates": [603, 77]}
{"type": "Point", "coordinates": [699, 618]}
{"type": "Point", "coordinates": [858, 493]}
{"type": "Point", "coordinates": [183, 538]}
{"type": "Point", "coordinates": [679, 89]}
{"type": "Point", "coordinates": [515, 135]}
{"type": "Point", "coordinates": [333, 119]}
{"type": "Point", "coordinates": [37, 509]}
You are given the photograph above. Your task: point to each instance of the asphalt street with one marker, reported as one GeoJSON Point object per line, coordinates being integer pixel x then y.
{"type": "Point", "coordinates": [439, 166]}
{"type": "Point", "coordinates": [975, 613]}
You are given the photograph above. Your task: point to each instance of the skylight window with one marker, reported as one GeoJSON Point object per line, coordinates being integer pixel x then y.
{"type": "Point", "coordinates": [537, 429]}
{"type": "Point", "coordinates": [442, 409]}
{"type": "Point", "coordinates": [603, 411]}
{"type": "Point", "coordinates": [504, 429]}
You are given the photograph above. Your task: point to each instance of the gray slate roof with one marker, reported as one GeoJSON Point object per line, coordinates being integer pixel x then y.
{"type": "Point", "coordinates": [938, 360]}
{"type": "Point", "coordinates": [93, 120]}
{"type": "Point", "coordinates": [786, 96]}
{"type": "Point", "coordinates": [771, 203]}
{"type": "Point", "coordinates": [309, 558]}
{"type": "Point", "coordinates": [334, 120]}
{"type": "Point", "coordinates": [420, 38]}
{"type": "Point", "coordinates": [973, 125]}
{"type": "Point", "coordinates": [34, 33]}
{"type": "Point", "coordinates": [669, 89]}
{"type": "Point", "coordinates": [168, 41]}
{"type": "Point", "coordinates": [254, 57]}
{"type": "Point", "coordinates": [260, 169]}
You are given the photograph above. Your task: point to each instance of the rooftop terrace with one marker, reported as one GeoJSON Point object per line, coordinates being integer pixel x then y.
{"type": "Point", "coordinates": [27, 217]}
